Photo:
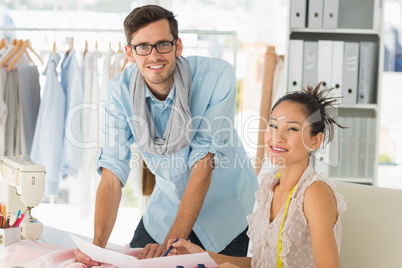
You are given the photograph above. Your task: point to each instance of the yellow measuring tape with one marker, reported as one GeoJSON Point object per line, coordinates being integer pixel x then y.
{"type": "Point", "coordinates": [283, 220]}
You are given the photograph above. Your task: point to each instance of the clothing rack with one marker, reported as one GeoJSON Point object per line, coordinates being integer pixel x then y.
{"type": "Point", "coordinates": [191, 31]}
{"type": "Point", "coordinates": [232, 34]}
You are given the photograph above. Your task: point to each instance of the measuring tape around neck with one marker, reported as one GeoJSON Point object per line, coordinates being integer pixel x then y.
{"type": "Point", "coordinates": [283, 220]}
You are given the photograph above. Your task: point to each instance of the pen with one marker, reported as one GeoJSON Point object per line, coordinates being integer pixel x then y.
{"type": "Point", "coordinates": [18, 214]}
{"type": "Point", "coordinates": [170, 248]}
{"type": "Point", "coordinates": [3, 211]}
{"type": "Point", "coordinates": [5, 225]}
{"type": "Point", "coordinates": [19, 222]}
{"type": "Point", "coordinates": [16, 221]}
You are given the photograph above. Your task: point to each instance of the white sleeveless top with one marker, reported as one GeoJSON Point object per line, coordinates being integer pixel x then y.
{"type": "Point", "coordinates": [296, 237]}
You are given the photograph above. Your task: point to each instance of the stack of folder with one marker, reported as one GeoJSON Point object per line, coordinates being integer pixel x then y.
{"type": "Point", "coordinates": [356, 148]}
{"type": "Point", "coordinates": [349, 67]}
{"type": "Point", "coordinates": [331, 14]}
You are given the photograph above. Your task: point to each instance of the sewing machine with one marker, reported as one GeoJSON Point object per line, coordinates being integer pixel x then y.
{"type": "Point", "coordinates": [21, 188]}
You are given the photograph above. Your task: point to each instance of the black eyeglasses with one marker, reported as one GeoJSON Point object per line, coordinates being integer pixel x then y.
{"type": "Point", "coordinates": [162, 48]}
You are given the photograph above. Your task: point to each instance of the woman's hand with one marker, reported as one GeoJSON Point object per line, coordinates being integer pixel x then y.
{"type": "Point", "coordinates": [228, 265]}
{"type": "Point", "coordinates": [183, 247]}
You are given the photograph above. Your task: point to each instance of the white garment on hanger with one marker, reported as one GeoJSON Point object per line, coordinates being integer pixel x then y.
{"type": "Point", "coordinates": [90, 114]}
{"type": "Point", "coordinates": [108, 72]}
{"type": "Point", "coordinates": [83, 189]}
{"type": "Point", "coordinates": [118, 63]}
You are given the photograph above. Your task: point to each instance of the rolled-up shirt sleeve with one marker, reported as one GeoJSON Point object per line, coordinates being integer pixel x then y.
{"type": "Point", "coordinates": [214, 130]}
{"type": "Point", "coordinates": [115, 137]}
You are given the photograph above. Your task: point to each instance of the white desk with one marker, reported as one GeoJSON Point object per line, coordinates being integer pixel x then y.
{"type": "Point", "coordinates": [59, 220]}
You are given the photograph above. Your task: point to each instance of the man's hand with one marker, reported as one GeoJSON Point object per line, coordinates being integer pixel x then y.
{"type": "Point", "coordinates": [153, 251]}
{"type": "Point", "coordinates": [81, 257]}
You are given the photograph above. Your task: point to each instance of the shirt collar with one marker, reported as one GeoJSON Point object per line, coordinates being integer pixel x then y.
{"type": "Point", "coordinates": [169, 99]}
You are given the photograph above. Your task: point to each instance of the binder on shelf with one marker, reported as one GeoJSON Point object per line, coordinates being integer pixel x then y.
{"type": "Point", "coordinates": [367, 73]}
{"type": "Point", "coordinates": [354, 147]}
{"type": "Point", "coordinates": [324, 62]}
{"type": "Point", "coordinates": [337, 69]}
{"type": "Point", "coordinates": [334, 170]}
{"type": "Point", "coordinates": [350, 72]}
{"type": "Point", "coordinates": [315, 11]}
{"type": "Point", "coordinates": [310, 63]}
{"type": "Point", "coordinates": [336, 153]}
{"type": "Point", "coordinates": [363, 147]}
{"type": "Point", "coordinates": [371, 160]}
{"type": "Point", "coordinates": [295, 78]}
{"type": "Point", "coordinates": [356, 14]}
{"type": "Point", "coordinates": [330, 17]}
{"type": "Point", "coordinates": [298, 13]}
{"type": "Point", "coordinates": [334, 149]}
{"type": "Point", "coordinates": [345, 137]}
{"type": "Point", "coordinates": [377, 14]}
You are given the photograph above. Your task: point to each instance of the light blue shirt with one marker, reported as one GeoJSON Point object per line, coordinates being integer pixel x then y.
{"type": "Point", "coordinates": [159, 110]}
{"type": "Point", "coordinates": [230, 197]}
{"type": "Point", "coordinates": [49, 132]}
{"type": "Point", "coordinates": [74, 145]}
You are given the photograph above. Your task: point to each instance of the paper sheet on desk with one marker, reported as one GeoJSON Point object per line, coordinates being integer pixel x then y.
{"type": "Point", "coordinates": [121, 260]}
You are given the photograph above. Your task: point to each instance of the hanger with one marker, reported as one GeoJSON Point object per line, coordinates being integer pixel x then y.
{"type": "Point", "coordinates": [54, 48]}
{"type": "Point", "coordinates": [124, 64]}
{"type": "Point", "coordinates": [23, 49]}
{"type": "Point", "coordinates": [110, 47]}
{"type": "Point", "coordinates": [33, 51]}
{"type": "Point", "coordinates": [71, 43]}
{"type": "Point", "coordinates": [14, 42]}
{"type": "Point", "coordinates": [29, 57]}
{"type": "Point", "coordinates": [119, 50]}
{"type": "Point", "coordinates": [96, 45]}
{"type": "Point", "coordinates": [3, 43]}
{"type": "Point", "coordinates": [18, 46]}
{"type": "Point", "coordinates": [86, 48]}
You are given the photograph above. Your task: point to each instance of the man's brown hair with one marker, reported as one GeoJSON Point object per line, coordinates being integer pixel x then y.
{"type": "Point", "coordinates": [140, 17]}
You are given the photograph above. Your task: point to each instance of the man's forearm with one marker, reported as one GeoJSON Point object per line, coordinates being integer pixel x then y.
{"type": "Point", "coordinates": [108, 198]}
{"type": "Point", "coordinates": [192, 199]}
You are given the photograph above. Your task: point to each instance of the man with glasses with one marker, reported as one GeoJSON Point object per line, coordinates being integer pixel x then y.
{"type": "Point", "coordinates": [180, 113]}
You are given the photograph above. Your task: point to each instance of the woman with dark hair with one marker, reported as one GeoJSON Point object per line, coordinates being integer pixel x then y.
{"type": "Point", "coordinates": [297, 222]}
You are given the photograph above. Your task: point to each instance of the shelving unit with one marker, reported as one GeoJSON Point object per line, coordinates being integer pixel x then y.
{"type": "Point", "coordinates": [353, 154]}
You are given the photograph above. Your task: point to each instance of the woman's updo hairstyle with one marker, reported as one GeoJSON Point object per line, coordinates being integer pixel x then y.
{"type": "Point", "coordinates": [315, 103]}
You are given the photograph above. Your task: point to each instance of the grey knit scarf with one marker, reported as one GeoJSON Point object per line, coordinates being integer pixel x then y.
{"type": "Point", "coordinates": [178, 131]}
